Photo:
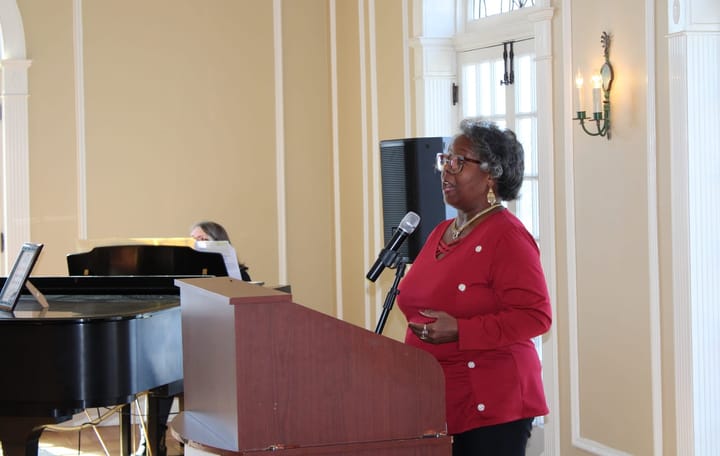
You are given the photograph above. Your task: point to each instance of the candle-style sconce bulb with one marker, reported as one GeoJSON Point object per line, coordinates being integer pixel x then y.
{"type": "Point", "coordinates": [579, 90]}
{"type": "Point", "coordinates": [601, 84]}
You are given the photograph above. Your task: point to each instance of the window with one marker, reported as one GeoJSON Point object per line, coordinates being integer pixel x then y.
{"type": "Point", "coordinates": [514, 106]}
{"type": "Point", "coordinates": [509, 105]}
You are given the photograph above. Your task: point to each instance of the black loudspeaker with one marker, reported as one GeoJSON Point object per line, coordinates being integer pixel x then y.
{"type": "Point", "coordinates": [410, 182]}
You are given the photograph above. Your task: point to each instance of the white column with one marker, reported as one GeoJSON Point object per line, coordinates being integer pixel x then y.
{"type": "Point", "coordinates": [434, 75]}
{"type": "Point", "coordinates": [434, 68]}
{"type": "Point", "coordinates": [694, 64]}
{"type": "Point", "coordinates": [16, 175]}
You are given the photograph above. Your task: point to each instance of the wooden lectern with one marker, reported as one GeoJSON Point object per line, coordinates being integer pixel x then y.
{"type": "Point", "coordinates": [263, 373]}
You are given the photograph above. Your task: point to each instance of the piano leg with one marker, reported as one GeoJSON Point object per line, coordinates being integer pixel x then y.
{"type": "Point", "coordinates": [160, 401]}
{"type": "Point", "coordinates": [158, 413]}
{"type": "Point", "coordinates": [20, 435]}
{"type": "Point", "coordinates": [125, 430]}
{"type": "Point", "coordinates": [20, 448]}
{"type": "Point", "coordinates": [159, 405]}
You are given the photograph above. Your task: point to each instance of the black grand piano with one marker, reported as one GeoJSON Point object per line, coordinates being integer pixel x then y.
{"type": "Point", "coordinates": [102, 341]}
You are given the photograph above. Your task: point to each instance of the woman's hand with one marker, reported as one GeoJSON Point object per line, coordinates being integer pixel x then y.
{"type": "Point", "coordinates": [442, 329]}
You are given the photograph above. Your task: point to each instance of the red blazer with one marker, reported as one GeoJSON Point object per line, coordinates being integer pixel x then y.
{"type": "Point", "coordinates": [493, 284]}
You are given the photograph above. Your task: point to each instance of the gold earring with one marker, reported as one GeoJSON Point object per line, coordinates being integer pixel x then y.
{"type": "Point", "coordinates": [491, 196]}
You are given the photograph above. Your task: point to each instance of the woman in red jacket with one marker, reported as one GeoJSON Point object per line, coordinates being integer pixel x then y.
{"type": "Point", "coordinates": [476, 296]}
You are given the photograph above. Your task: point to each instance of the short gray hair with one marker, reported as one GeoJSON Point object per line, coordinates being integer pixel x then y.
{"type": "Point", "coordinates": [502, 155]}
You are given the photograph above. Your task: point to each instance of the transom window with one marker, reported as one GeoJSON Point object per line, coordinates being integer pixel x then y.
{"type": "Point", "coordinates": [484, 8]}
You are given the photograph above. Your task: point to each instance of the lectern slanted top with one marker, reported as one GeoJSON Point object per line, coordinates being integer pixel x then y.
{"type": "Point", "coordinates": [264, 373]}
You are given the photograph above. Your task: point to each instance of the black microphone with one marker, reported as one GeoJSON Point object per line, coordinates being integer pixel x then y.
{"type": "Point", "coordinates": [389, 253]}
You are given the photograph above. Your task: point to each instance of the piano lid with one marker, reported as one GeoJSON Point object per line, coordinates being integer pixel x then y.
{"type": "Point", "coordinates": [106, 285]}
{"type": "Point", "coordinates": [90, 307]}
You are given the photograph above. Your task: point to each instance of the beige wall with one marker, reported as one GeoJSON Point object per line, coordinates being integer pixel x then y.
{"type": "Point", "coordinates": [611, 233]}
{"type": "Point", "coordinates": [614, 186]}
{"type": "Point", "coordinates": [179, 121]}
{"type": "Point", "coordinates": [53, 191]}
{"type": "Point", "coordinates": [181, 124]}
{"type": "Point", "coordinates": [308, 158]}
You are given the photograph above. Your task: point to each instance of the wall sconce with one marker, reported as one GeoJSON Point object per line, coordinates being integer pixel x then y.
{"type": "Point", "coordinates": [601, 81]}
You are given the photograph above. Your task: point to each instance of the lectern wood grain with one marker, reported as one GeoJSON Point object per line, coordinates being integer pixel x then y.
{"type": "Point", "coordinates": [263, 372]}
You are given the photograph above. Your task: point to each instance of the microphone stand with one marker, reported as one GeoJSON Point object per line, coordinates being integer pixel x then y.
{"type": "Point", "coordinates": [391, 294]}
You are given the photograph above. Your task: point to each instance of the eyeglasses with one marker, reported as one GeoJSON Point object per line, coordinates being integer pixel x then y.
{"type": "Point", "coordinates": [452, 163]}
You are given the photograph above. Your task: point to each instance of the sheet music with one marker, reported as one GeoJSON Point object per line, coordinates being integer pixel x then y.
{"type": "Point", "coordinates": [228, 253]}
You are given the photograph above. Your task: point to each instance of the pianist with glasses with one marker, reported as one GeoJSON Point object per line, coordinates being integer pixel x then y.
{"type": "Point", "coordinates": [476, 296]}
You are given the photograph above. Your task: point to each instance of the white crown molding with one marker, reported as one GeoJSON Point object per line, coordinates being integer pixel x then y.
{"type": "Point", "coordinates": [374, 156]}
{"type": "Point", "coordinates": [80, 153]}
{"type": "Point", "coordinates": [427, 42]}
{"type": "Point", "coordinates": [363, 63]}
{"type": "Point", "coordinates": [693, 16]}
{"type": "Point", "coordinates": [280, 143]}
{"type": "Point", "coordinates": [653, 235]}
{"type": "Point", "coordinates": [336, 160]}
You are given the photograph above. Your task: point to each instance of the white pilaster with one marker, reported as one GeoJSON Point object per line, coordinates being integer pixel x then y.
{"type": "Point", "coordinates": [16, 174]}
{"type": "Point", "coordinates": [694, 63]}
{"type": "Point", "coordinates": [434, 75]}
